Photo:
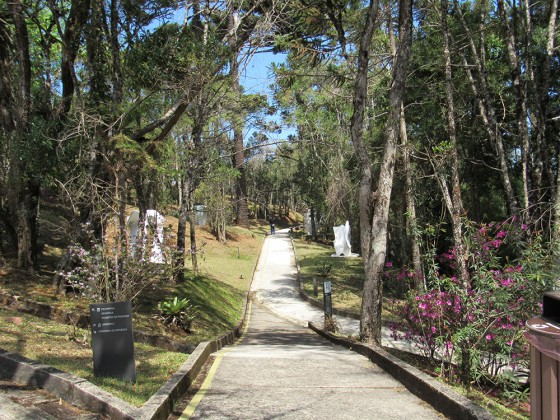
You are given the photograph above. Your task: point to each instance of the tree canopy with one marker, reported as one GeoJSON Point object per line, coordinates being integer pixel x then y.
{"type": "Point", "coordinates": [411, 120]}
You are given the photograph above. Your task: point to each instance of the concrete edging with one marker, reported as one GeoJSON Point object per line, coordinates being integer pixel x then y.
{"type": "Point", "coordinates": [83, 393]}
{"type": "Point", "coordinates": [66, 386]}
{"type": "Point", "coordinates": [438, 395]}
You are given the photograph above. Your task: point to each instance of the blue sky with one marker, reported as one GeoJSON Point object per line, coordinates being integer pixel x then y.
{"type": "Point", "coordinates": [257, 75]}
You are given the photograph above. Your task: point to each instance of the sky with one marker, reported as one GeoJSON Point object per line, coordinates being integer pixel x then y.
{"type": "Point", "coordinates": [257, 75]}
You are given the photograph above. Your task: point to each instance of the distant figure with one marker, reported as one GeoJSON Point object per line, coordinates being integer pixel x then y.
{"type": "Point", "coordinates": [272, 228]}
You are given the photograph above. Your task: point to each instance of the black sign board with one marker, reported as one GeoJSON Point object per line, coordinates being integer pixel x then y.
{"type": "Point", "coordinates": [112, 340]}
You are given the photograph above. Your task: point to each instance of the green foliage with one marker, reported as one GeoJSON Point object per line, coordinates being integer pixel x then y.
{"type": "Point", "coordinates": [324, 269]}
{"type": "Point", "coordinates": [171, 55]}
{"type": "Point", "coordinates": [178, 312]}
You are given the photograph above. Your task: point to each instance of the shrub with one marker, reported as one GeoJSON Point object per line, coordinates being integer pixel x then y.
{"type": "Point", "coordinates": [479, 329]}
{"type": "Point", "coordinates": [105, 272]}
{"type": "Point", "coordinates": [178, 312]}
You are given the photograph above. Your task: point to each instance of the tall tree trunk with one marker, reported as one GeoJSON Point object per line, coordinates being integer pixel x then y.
{"type": "Point", "coordinates": [313, 224]}
{"type": "Point", "coordinates": [192, 235]}
{"type": "Point", "coordinates": [454, 202]}
{"type": "Point", "coordinates": [520, 92]}
{"type": "Point", "coordinates": [181, 233]}
{"type": "Point", "coordinates": [186, 216]}
{"type": "Point", "coordinates": [374, 225]}
{"type": "Point", "coordinates": [365, 196]}
{"type": "Point", "coordinates": [370, 320]}
{"type": "Point", "coordinates": [411, 220]}
{"type": "Point", "coordinates": [479, 86]}
{"type": "Point", "coordinates": [22, 192]}
{"type": "Point", "coordinates": [192, 167]}
{"type": "Point", "coordinates": [239, 149]}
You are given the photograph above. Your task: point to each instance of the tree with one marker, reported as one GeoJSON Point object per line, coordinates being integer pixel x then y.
{"type": "Point", "coordinates": [374, 224]}
{"type": "Point", "coordinates": [29, 118]}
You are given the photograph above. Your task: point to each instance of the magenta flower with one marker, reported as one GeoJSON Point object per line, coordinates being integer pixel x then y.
{"type": "Point", "coordinates": [507, 282]}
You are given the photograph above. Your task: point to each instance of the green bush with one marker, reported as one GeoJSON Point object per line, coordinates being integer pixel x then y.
{"type": "Point", "coordinates": [178, 312]}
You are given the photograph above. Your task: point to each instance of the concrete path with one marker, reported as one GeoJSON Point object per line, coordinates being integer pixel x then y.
{"type": "Point", "coordinates": [275, 285]}
{"type": "Point", "coordinates": [279, 368]}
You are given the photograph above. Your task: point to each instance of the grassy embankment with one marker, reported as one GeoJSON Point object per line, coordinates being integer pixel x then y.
{"type": "Point", "coordinates": [218, 292]}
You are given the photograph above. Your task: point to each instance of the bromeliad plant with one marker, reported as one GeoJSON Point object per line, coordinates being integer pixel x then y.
{"type": "Point", "coordinates": [178, 312]}
{"type": "Point", "coordinates": [478, 330]}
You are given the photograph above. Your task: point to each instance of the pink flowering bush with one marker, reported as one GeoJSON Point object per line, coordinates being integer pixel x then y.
{"type": "Point", "coordinates": [478, 330]}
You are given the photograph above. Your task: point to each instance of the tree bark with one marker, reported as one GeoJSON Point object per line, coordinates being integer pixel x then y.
{"type": "Point", "coordinates": [520, 91]}
{"type": "Point", "coordinates": [479, 86]}
{"type": "Point", "coordinates": [411, 220]}
{"type": "Point", "coordinates": [22, 191]}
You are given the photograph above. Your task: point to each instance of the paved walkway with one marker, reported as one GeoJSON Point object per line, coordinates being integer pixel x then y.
{"type": "Point", "coordinates": [275, 285]}
{"type": "Point", "coordinates": [281, 369]}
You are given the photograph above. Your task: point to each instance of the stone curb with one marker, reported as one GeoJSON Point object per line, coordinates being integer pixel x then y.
{"type": "Point", "coordinates": [66, 386]}
{"type": "Point", "coordinates": [84, 394]}
{"type": "Point", "coordinates": [438, 395]}
{"type": "Point", "coordinates": [80, 392]}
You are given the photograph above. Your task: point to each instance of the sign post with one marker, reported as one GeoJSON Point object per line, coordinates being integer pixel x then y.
{"type": "Point", "coordinates": [327, 300]}
{"type": "Point", "coordinates": [112, 340]}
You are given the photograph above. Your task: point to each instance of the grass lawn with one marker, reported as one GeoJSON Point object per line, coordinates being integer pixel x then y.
{"type": "Point", "coordinates": [345, 274]}
{"type": "Point", "coordinates": [68, 349]}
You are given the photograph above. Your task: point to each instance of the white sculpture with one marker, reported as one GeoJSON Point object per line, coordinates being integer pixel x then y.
{"type": "Point", "coordinates": [201, 215]}
{"type": "Point", "coordinates": [308, 227]}
{"type": "Point", "coordinates": [342, 245]}
{"type": "Point", "coordinates": [154, 221]}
